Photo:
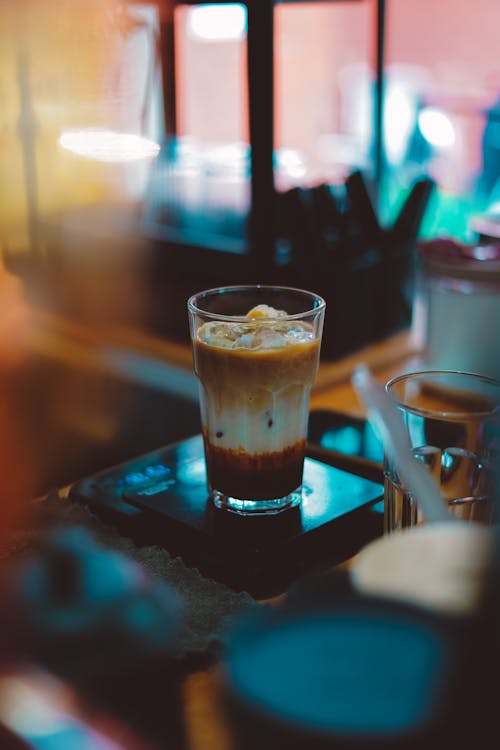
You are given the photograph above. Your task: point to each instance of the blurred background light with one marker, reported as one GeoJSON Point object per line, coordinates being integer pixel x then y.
{"type": "Point", "coordinates": [218, 23]}
{"type": "Point", "coordinates": [291, 162]}
{"type": "Point", "coordinates": [108, 145]}
{"type": "Point", "coordinates": [436, 127]}
{"type": "Point", "coordinates": [399, 117]}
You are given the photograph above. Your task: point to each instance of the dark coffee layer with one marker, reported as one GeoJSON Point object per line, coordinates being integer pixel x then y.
{"type": "Point", "coordinates": [260, 476]}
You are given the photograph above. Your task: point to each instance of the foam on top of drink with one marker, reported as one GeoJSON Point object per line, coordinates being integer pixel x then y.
{"type": "Point", "coordinates": [266, 330]}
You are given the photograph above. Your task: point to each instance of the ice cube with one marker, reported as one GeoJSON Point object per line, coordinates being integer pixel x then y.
{"type": "Point", "coordinates": [272, 339]}
{"type": "Point", "coordinates": [217, 334]}
{"type": "Point", "coordinates": [247, 340]}
{"type": "Point", "coordinates": [298, 333]}
{"type": "Point", "coordinates": [265, 311]}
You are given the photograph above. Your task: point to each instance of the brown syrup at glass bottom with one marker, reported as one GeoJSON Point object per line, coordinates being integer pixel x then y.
{"type": "Point", "coordinates": [255, 476]}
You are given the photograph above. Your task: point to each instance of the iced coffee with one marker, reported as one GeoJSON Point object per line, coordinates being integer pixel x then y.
{"type": "Point", "coordinates": [255, 371]}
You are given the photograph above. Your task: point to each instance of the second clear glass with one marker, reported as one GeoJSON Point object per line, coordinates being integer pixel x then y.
{"type": "Point", "coordinates": [449, 417]}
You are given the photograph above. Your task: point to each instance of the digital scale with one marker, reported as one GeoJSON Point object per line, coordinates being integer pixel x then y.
{"type": "Point", "coordinates": [161, 498]}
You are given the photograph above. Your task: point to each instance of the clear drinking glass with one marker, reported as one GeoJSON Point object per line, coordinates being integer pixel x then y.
{"type": "Point", "coordinates": [255, 375]}
{"type": "Point", "coordinates": [450, 420]}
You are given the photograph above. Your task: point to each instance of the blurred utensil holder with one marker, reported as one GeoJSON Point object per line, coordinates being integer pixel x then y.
{"type": "Point", "coordinates": [330, 240]}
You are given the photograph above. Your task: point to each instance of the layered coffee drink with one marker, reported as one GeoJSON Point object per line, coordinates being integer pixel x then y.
{"type": "Point", "coordinates": [255, 375]}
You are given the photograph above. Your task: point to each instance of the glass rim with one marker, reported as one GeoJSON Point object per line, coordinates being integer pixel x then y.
{"type": "Point", "coordinates": [193, 308]}
{"type": "Point", "coordinates": [436, 413]}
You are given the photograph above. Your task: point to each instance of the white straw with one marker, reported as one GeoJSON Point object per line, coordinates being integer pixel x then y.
{"type": "Point", "coordinates": [388, 423]}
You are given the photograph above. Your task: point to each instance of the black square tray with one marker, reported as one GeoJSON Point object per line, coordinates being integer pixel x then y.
{"type": "Point", "coordinates": [161, 498]}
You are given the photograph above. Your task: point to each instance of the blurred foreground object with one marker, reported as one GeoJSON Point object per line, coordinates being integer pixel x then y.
{"type": "Point", "coordinates": [401, 660]}
{"type": "Point", "coordinates": [15, 467]}
{"type": "Point", "coordinates": [345, 672]}
{"type": "Point", "coordinates": [15, 323]}
{"type": "Point", "coordinates": [100, 623]}
{"type": "Point", "coordinates": [441, 566]}
{"type": "Point", "coordinates": [41, 713]}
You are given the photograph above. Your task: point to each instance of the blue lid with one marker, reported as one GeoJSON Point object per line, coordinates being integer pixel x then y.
{"type": "Point", "coordinates": [365, 675]}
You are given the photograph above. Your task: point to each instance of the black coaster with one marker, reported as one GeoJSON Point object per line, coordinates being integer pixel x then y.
{"type": "Point", "coordinates": [162, 498]}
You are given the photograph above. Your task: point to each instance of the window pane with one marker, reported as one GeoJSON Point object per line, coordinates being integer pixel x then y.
{"type": "Point", "coordinates": [202, 185]}
{"type": "Point", "coordinates": [442, 113]}
{"type": "Point", "coordinates": [324, 70]}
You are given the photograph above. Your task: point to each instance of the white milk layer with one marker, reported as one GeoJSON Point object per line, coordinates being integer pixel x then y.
{"type": "Point", "coordinates": [279, 421]}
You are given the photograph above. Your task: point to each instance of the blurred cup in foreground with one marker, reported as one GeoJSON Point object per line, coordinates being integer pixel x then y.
{"type": "Point", "coordinates": [449, 417]}
{"type": "Point", "coordinates": [441, 566]}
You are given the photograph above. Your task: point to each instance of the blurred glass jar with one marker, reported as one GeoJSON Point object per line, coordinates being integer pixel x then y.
{"type": "Point", "coordinates": [457, 307]}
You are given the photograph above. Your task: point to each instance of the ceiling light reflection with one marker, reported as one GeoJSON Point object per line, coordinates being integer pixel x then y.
{"type": "Point", "coordinates": [108, 145]}
{"type": "Point", "coordinates": [436, 127]}
{"type": "Point", "coordinates": [218, 23]}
